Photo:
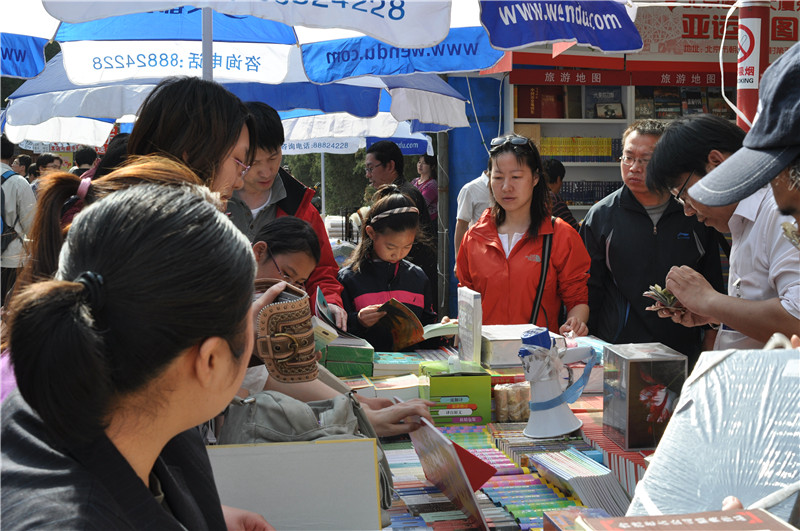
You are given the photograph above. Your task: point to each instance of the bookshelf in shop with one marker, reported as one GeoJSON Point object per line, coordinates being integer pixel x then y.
{"type": "Point", "coordinates": [582, 124]}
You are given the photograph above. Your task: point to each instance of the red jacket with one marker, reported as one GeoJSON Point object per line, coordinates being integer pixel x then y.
{"type": "Point", "coordinates": [297, 203]}
{"type": "Point", "coordinates": [508, 285]}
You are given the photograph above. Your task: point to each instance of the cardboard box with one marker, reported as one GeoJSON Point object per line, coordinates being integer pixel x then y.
{"type": "Point", "coordinates": [461, 398]}
{"type": "Point", "coordinates": [642, 384]}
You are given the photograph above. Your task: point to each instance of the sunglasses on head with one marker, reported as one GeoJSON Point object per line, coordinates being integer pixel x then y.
{"type": "Point", "coordinates": [513, 139]}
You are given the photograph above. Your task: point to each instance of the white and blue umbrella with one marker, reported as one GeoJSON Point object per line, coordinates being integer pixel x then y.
{"type": "Point", "coordinates": [342, 133]}
{"type": "Point", "coordinates": [57, 105]}
{"type": "Point", "coordinates": [135, 45]}
{"type": "Point", "coordinates": [163, 43]}
{"type": "Point", "coordinates": [25, 29]}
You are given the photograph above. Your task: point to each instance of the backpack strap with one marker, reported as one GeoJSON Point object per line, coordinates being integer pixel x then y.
{"type": "Point", "coordinates": [5, 228]}
{"type": "Point", "coordinates": [547, 244]}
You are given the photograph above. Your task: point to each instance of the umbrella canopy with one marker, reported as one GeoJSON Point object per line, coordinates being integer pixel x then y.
{"type": "Point", "coordinates": [395, 22]}
{"type": "Point", "coordinates": [23, 36]}
{"type": "Point", "coordinates": [50, 98]}
{"type": "Point", "coordinates": [342, 133]}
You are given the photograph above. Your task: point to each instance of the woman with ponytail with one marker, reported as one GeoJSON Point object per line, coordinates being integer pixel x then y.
{"type": "Point", "coordinates": [143, 334]}
{"type": "Point", "coordinates": [52, 219]}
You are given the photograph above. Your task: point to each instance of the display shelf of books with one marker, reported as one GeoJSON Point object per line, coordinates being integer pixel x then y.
{"type": "Point", "coordinates": [668, 103]}
{"type": "Point", "coordinates": [582, 127]}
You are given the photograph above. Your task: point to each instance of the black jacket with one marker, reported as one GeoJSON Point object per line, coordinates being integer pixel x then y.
{"type": "Point", "coordinates": [629, 254]}
{"type": "Point", "coordinates": [48, 486]}
{"type": "Point", "coordinates": [376, 283]}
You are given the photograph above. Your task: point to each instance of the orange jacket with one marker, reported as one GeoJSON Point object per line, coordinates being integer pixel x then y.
{"type": "Point", "coordinates": [508, 285]}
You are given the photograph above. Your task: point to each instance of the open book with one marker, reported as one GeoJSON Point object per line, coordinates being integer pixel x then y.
{"type": "Point", "coordinates": [325, 327]}
{"type": "Point", "coordinates": [405, 328]}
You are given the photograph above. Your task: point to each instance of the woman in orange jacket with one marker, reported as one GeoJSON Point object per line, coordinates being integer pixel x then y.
{"type": "Point", "coordinates": [501, 256]}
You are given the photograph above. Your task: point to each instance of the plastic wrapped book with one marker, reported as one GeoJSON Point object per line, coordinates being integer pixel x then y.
{"type": "Point", "coordinates": [735, 431]}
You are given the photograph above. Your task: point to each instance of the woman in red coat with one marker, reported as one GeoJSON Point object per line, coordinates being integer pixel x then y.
{"type": "Point", "coordinates": [501, 256]}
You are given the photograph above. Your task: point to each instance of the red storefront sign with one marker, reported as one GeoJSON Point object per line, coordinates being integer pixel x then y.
{"type": "Point", "coordinates": [681, 79]}
{"type": "Point", "coordinates": [569, 77]}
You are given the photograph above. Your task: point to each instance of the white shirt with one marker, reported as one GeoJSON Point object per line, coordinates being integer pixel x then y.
{"type": "Point", "coordinates": [473, 198]}
{"type": "Point", "coordinates": [20, 206]}
{"type": "Point", "coordinates": [763, 264]}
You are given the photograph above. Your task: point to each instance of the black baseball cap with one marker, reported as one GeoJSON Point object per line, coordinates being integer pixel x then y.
{"type": "Point", "coordinates": [771, 144]}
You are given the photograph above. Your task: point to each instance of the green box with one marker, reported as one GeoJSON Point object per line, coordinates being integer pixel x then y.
{"type": "Point", "coordinates": [346, 360]}
{"type": "Point", "coordinates": [343, 368]}
{"type": "Point", "coordinates": [470, 388]}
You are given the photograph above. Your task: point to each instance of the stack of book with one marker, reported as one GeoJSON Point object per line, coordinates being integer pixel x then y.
{"type": "Point", "coordinates": [399, 363]}
{"type": "Point", "coordinates": [591, 482]}
{"type": "Point", "coordinates": [578, 149]}
{"type": "Point", "coordinates": [587, 192]}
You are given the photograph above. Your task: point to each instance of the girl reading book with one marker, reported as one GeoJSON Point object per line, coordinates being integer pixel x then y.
{"type": "Point", "coordinates": [378, 272]}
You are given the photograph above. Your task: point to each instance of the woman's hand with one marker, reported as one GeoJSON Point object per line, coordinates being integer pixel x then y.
{"type": "Point", "coordinates": [241, 520]}
{"type": "Point", "coordinates": [374, 402]}
{"type": "Point", "coordinates": [575, 325]}
{"type": "Point", "coordinates": [400, 418]}
{"type": "Point", "coordinates": [339, 315]}
{"type": "Point", "coordinates": [267, 297]}
{"type": "Point", "coordinates": [370, 315]}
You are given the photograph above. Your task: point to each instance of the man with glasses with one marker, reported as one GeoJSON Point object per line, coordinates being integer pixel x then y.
{"type": "Point", "coordinates": [383, 166]}
{"type": "Point", "coordinates": [270, 192]}
{"type": "Point", "coordinates": [634, 236]}
{"type": "Point", "coordinates": [48, 163]}
{"type": "Point", "coordinates": [700, 159]}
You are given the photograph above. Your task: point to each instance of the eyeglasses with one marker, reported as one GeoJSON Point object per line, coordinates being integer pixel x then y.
{"type": "Point", "coordinates": [284, 276]}
{"type": "Point", "coordinates": [630, 161]}
{"type": "Point", "coordinates": [245, 167]}
{"type": "Point", "coordinates": [682, 188]}
{"type": "Point", "coordinates": [370, 169]}
{"type": "Point", "coordinates": [510, 139]}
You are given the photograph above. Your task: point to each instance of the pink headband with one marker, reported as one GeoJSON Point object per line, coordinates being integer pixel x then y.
{"type": "Point", "coordinates": [86, 182]}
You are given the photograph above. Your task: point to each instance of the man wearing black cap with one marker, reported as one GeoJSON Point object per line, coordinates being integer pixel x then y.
{"type": "Point", "coordinates": [764, 279]}
{"type": "Point", "coordinates": [772, 148]}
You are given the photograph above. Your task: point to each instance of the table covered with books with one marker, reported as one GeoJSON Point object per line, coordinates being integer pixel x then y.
{"type": "Point", "coordinates": [589, 474]}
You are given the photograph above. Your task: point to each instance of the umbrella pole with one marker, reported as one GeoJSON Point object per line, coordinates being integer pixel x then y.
{"type": "Point", "coordinates": [208, 39]}
{"type": "Point", "coordinates": [442, 221]}
{"type": "Point", "coordinates": [322, 180]}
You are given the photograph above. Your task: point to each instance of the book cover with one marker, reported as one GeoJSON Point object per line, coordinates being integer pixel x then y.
{"type": "Point", "coordinates": [325, 319]}
{"type": "Point", "coordinates": [643, 104]}
{"type": "Point", "coordinates": [667, 102]}
{"type": "Point", "coordinates": [396, 363]}
{"type": "Point", "coordinates": [470, 318]}
{"type": "Point", "coordinates": [401, 323]}
{"type": "Point", "coordinates": [595, 95]}
{"type": "Point", "coordinates": [405, 387]}
{"type": "Point", "coordinates": [540, 101]}
{"type": "Point", "coordinates": [692, 101]}
{"type": "Point", "coordinates": [323, 333]}
{"type": "Point", "coordinates": [717, 105]}
{"type": "Point", "coordinates": [736, 520]}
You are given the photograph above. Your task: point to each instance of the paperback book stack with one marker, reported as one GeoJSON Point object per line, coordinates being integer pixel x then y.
{"type": "Point", "coordinates": [591, 482]}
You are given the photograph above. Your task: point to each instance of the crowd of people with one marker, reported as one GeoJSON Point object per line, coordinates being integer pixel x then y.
{"type": "Point", "coordinates": [145, 287]}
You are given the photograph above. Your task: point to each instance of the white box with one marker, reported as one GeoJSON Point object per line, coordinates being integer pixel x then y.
{"type": "Point", "coordinates": [300, 485]}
